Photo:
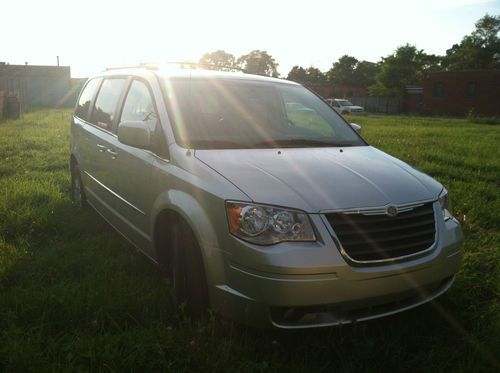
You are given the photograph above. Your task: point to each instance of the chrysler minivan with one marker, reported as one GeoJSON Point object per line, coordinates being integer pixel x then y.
{"type": "Point", "coordinates": [259, 200]}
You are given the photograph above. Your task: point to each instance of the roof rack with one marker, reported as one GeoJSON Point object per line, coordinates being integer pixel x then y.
{"type": "Point", "coordinates": [191, 64]}
{"type": "Point", "coordinates": [181, 64]}
{"type": "Point", "coordinates": [148, 66]}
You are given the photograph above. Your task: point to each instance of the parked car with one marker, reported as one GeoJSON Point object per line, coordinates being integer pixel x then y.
{"type": "Point", "coordinates": [267, 217]}
{"type": "Point", "coordinates": [344, 106]}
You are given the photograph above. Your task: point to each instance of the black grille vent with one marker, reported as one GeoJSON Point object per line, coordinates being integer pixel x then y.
{"type": "Point", "coordinates": [379, 237]}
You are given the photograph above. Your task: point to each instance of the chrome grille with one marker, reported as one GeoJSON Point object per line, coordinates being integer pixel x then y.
{"type": "Point", "coordinates": [369, 237]}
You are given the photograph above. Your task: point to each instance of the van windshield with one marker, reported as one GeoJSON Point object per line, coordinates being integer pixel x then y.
{"type": "Point", "coordinates": [224, 113]}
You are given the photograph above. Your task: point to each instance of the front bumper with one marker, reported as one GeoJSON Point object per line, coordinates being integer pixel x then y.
{"type": "Point", "coordinates": [302, 286]}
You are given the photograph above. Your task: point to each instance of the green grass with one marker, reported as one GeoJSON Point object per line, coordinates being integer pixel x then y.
{"type": "Point", "coordinates": [76, 296]}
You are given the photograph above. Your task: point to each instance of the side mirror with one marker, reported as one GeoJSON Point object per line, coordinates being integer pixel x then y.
{"type": "Point", "coordinates": [134, 133]}
{"type": "Point", "coordinates": [356, 127]}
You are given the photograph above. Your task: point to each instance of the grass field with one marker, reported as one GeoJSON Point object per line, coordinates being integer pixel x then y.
{"type": "Point", "coordinates": [76, 296]}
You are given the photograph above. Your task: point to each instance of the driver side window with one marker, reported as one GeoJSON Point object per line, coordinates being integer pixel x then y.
{"type": "Point", "coordinates": [139, 106]}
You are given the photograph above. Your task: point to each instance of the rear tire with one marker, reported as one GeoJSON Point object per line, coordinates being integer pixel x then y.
{"type": "Point", "coordinates": [189, 285]}
{"type": "Point", "coordinates": [77, 192]}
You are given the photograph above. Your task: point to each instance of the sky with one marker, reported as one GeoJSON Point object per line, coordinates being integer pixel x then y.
{"type": "Point", "coordinates": [91, 35]}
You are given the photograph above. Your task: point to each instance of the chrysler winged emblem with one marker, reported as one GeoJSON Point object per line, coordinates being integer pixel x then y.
{"type": "Point", "coordinates": [391, 211]}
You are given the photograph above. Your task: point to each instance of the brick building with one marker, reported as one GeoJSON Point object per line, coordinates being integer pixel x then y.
{"type": "Point", "coordinates": [458, 92]}
{"type": "Point", "coordinates": [441, 93]}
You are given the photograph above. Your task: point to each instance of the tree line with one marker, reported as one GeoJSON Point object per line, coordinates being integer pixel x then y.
{"type": "Point", "coordinates": [388, 77]}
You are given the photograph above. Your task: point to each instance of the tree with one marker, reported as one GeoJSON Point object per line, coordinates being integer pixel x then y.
{"type": "Point", "coordinates": [309, 75]}
{"type": "Point", "coordinates": [406, 66]}
{"type": "Point", "coordinates": [342, 71]}
{"type": "Point", "coordinates": [218, 60]}
{"type": "Point", "coordinates": [297, 74]}
{"type": "Point", "coordinates": [479, 50]}
{"type": "Point", "coordinates": [365, 72]}
{"type": "Point", "coordinates": [315, 75]}
{"type": "Point", "coordinates": [348, 70]}
{"type": "Point", "coordinates": [258, 62]}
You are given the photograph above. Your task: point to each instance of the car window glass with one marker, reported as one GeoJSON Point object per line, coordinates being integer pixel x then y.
{"type": "Point", "coordinates": [301, 115]}
{"type": "Point", "coordinates": [233, 110]}
{"type": "Point", "coordinates": [104, 110]}
{"type": "Point", "coordinates": [139, 105]}
{"type": "Point", "coordinates": [82, 108]}
{"type": "Point", "coordinates": [223, 113]}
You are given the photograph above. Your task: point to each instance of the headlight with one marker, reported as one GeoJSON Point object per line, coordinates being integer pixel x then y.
{"type": "Point", "coordinates": [443, 201]}
{"type": "Point", "coordinates": [266, 225]}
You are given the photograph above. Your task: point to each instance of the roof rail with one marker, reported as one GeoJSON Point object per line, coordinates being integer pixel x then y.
{"type": "Point", "coordinates": [181, 64]}
{"type": "Point", "coordinates": [148, 66]}
{"type": "Point", "coordinates": [194, 65]}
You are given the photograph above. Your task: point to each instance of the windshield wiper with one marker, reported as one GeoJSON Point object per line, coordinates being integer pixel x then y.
{"type": "Point", "coordinates": [279, 143]}
{"type": "Point", "coordinates": [215, 144]}
{"type": "Point", "coordinates": [291, 143]}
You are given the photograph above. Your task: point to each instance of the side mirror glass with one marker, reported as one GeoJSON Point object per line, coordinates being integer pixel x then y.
{"type": "Point", "coordinates": [356, 127]}
{"type": "Point", "coordinates": [134, 133]}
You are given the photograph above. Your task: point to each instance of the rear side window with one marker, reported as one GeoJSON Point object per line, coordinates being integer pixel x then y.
{"type": "Point", "coordinates": [104, 111]}
{"type": "Point", "coordinates": [82, 109]}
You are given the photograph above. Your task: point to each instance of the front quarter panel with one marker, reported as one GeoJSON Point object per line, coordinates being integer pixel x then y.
{"type": "Point", "coordinates": [198, 194]}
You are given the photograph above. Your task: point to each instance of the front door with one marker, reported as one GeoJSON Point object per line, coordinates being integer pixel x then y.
{"type": "Point", "coordinates": [132, 166]}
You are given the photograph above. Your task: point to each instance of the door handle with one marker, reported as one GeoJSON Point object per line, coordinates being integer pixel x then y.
{"type": "Point", "coordinates": [101, 147]}
{"type": "Point", "coordinates": [112, 153]}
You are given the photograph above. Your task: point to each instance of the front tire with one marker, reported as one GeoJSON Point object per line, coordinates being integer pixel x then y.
{"type": "Point", "coordinates": [189, 285]}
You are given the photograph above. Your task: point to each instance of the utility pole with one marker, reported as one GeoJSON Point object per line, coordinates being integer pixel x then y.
{"type": "Point", "coordinates": [57, 60]}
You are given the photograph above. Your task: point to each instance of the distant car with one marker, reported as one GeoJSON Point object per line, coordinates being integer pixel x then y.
{"type": "Point", "coordinates": [344, 106]}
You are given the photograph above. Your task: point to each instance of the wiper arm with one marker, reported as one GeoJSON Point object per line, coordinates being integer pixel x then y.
{"type": "Point", "coordinates": [215, 144]}
{"type": "Point", "coordinates": [300, 142]}
{"type": "Point", "coordinates": [278, 143]}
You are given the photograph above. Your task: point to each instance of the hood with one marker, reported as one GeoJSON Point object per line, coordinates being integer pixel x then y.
{"type": "Point", "coordinates": [356, 107]}
{"type": "Point", "coordinates": [316, 179]}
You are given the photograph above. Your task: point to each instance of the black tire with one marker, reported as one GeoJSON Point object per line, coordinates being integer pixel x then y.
{"type": "Point", "coordinates": [78, 197]}
{"type": "Point", "coordinates": [189, 286]}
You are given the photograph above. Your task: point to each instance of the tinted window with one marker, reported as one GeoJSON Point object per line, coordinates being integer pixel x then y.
{"type": "Point", "coordinates": [82, 109]}
{"type": "Point", "coordinates": [105, 106]}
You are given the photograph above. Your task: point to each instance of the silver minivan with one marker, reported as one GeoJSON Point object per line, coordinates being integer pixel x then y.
{"type": "Point", "coordinates": [258, 200]}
